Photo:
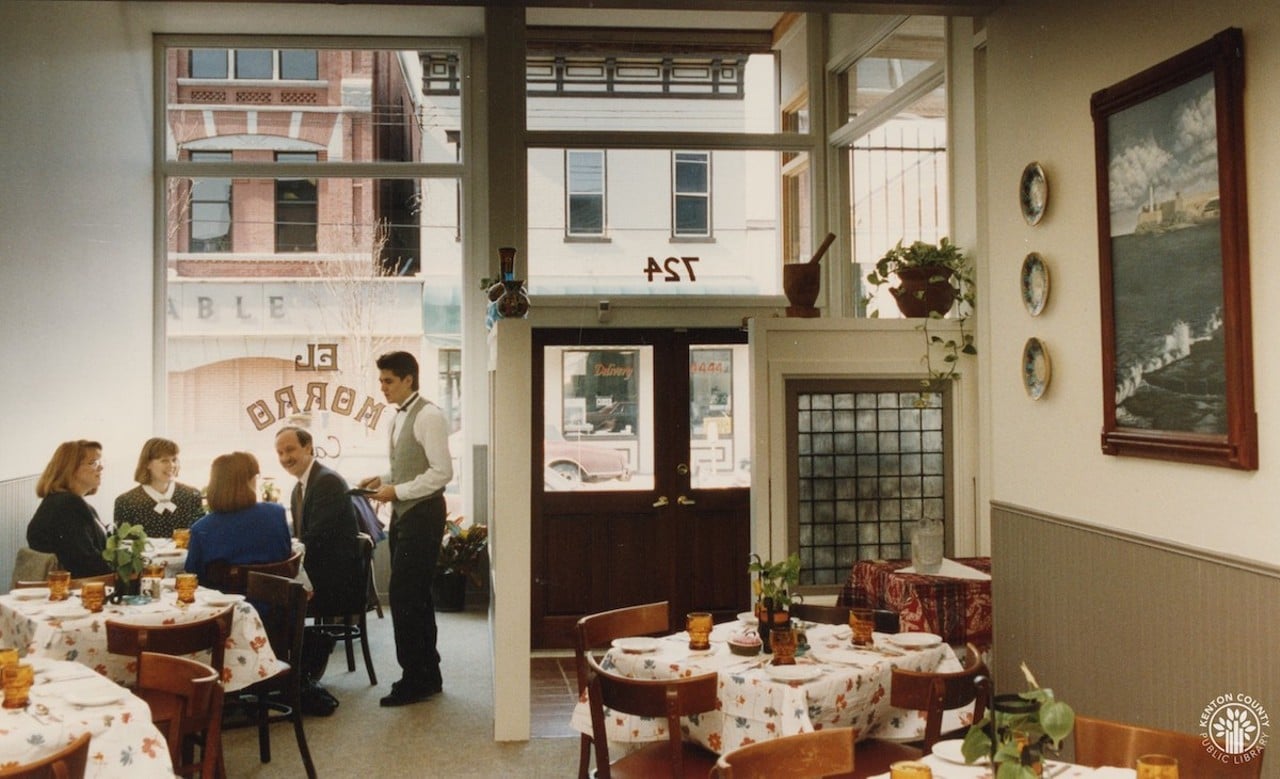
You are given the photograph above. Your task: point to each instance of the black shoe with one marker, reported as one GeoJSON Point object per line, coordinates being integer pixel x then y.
{"type": "Point", "coordinates": [403, 694]}
{"type": "Point", "coordinates": [317, 701]}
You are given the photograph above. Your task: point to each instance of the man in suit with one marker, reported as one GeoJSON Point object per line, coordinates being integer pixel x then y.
{"type": "Point", "coordinates": [325, 521]}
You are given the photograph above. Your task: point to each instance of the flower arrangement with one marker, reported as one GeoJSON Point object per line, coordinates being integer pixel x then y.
{"type": "Point", "coordinates": [125, 550]}
{"type": "Point", "coordinates": [1021, 730]}
{"type": "Point", "coordinates": [462, 549]}
{"type": "Point", "coordinates": [775, 582]}
{"type": "Point", "coordinates": [270, 490]}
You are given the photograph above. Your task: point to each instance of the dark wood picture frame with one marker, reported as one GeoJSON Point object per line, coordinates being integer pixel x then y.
{"type": "Point", "coordinates": [1177, 363]}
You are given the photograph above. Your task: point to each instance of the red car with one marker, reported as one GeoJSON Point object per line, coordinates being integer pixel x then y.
{"type": "Point", "coordinates": [578, 461]}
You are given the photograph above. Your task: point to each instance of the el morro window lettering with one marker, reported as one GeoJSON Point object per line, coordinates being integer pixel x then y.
{"type": "Point", "coordinates": [320, 357]}
{"type": "Point", "coordinates": [343, 403]}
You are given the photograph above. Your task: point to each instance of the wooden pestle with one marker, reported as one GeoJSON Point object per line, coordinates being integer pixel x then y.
{"type": "Point", "coordinates": [826, 244]}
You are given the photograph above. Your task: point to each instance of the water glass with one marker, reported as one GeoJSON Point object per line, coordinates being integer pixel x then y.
{"type": "Point", "coordinates": [1157, 767]}
{"type": "Point", "coordinates": [181, 537]}
{"type": "Point", "coordinates": [59, 584]}
{"type": "Point", "coordinates": [699, 624]}
{"type": "Point", "coordinates": [92, 595]}
{"type": "Point", "coordinates": [910, 769]}
{"type": "Point", "coordinates": [783, 643]}
{"type": "Point", "coordinates": [862, 621]}
{"type": "Point", "coordinates": [17, 679]}
{"type": "Point", "coordinates": [8, 656]}
{"type": "Point", "coordinates": [186, 583]}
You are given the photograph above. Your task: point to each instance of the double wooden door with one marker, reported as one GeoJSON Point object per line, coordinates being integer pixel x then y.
{"type": "Point", "coordinates": [640, 482]}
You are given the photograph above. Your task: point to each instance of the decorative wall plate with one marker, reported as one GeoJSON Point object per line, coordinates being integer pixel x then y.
{"type": "Point", "coordinates": [1035, 283]}
{"type": "Point", "coordinates": [1036, 370]}
{"type": "Point", "coordinates": [1033, 193]}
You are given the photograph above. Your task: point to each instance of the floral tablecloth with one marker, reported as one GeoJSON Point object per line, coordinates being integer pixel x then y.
{"type": "Point", "coordinates": [848, 688]}
{"type": "Point", "coordinates": [958, 609]}
{"type": "Point", "coordinates": [67, 631]}
{"type": "Point", "coordinates": [68, 699]}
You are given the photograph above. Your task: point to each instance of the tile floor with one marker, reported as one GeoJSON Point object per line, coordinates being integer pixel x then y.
{"type": "Point", "coordinates": [553, 695]}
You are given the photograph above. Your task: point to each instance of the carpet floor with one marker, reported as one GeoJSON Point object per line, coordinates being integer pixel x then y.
{"type": "Point", "coordinates": [450, 735]}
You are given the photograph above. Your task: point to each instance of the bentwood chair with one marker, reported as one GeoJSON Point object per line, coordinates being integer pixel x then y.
{"type": "Point", "coordinates": [279, 698]}
{"type": "Point", "coordinates": [67, 763]}
{"type": "Point", "coordinates": [186, 699]}
{"type": "Point", "coordinates": [1100, 742]}
{"type": "Point", "coordinates": [184, 638]}
{"type": "Point", "coordinates": [597, 630]}
{"type": "Point", "coordinates": [810, 755]}
{"type": "Point", "coordinates": [348, 623]}
{"type": "Point", "coordinates": [935, 693]}
{"type": "Point", "coordinates": [234, 578]}
{"type": "Point", "coordinates": [663, 698]}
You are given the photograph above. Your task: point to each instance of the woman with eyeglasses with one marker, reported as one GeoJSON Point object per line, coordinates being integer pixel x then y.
{"type": "Point", "coordinates": [64, 523]}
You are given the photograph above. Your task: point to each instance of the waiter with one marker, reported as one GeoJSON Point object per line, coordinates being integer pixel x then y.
{"type": "Point", "coordinates": [420, 468]}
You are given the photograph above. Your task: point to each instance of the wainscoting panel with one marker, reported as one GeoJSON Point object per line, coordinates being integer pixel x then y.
{"type": "Point", "coordinates": [1131, 628]}
{"type": "Point", "coordinates": [18, 502]}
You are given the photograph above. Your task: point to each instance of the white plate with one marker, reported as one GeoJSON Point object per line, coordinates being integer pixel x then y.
{"type": "Point", "coordinates": [91, 698]}
{"type": "Point", "coordinates": [636, 645]}
{"type": "Point", "coordinates": [949, 751]}
{"type": "Point", "coordinates": [221, 598]}
{"type": "Point", "coordinates": [67, 610]}
{"type": "Point", "coordinates": [1033, 193]}
{"type": "Point", "coordinates": [1035, 283]}
{"type": "Point", "coordinates": [748, 618]}
{"type": "Point", "coordinates": [30, 593]}
{"type": "Point", "coordinates": [1036, 369]}
{"type": "Point", "coordinates": [914, 640]}
{"type": "Point", "coordinates": [792, 673]}
{"type": "Point", "coordinates": [169, 553]}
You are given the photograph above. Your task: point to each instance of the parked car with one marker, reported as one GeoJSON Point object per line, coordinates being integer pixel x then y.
{"type": "Point", "coordinates": [578, 461]}
{"type": "Point", "coordinates": [617, 417]}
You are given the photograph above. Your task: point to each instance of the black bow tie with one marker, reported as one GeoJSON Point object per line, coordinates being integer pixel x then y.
{"type": "Point", "coordinates": [402, 409]}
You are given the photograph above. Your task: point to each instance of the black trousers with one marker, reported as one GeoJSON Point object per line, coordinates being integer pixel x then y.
{"type": "Point", "coordinates": [415, 545]}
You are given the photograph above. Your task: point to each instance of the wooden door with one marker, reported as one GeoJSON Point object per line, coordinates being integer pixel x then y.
{"type": "Point", "coordinates": [640, 475]}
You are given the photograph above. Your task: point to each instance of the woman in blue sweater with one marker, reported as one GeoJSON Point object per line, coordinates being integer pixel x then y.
{"type": "Point", "coordinates": [238, 529]}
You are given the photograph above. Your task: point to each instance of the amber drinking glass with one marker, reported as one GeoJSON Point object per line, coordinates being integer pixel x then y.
{"type": "Point", "coordinates": [783, 643]}
{"type": "Point", "coordinates": [186, 583]}
{"type": "Point", "coordinates": [1157, 767]}
{"type": "Point", "coordinates": [17, 678]}
{"type": "Point", "coordinates": [181, 537]}
{"type": "Point", "coordinates": [59, 584]}
{"type": "Point", "coordinates": [910, 769]}
{"type": "Point", "coordinates": [863, 622]}
{"type": "Point", "coordinates": [8, 656]}
{"type": "Point", "coordinates": [699, 624]}
{"type": "Point", "coordinates": [92, 594]}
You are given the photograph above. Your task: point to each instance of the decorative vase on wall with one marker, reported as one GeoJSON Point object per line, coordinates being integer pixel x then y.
{"type": "Point", "coordinates": [508, 298]}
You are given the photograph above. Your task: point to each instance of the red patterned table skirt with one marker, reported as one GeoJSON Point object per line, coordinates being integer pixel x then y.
{"type": "Point", "coordinates": [959, 610]}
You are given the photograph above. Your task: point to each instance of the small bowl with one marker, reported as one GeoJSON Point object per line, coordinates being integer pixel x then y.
{"type": "Point", "coordinates": [745, 644]}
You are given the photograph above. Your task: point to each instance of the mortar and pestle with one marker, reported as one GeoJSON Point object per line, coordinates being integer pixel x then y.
{"type": "Point", "coordinates": [802, 280]}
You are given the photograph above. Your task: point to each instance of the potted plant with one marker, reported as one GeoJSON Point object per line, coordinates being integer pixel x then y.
{"type": "Point", "coordinates": [774, 587]}
{"type": "Point", "coordinates": [932, 278]}
{"type": "Point", "coordinates": [1016, 729]}
{"type": "Point", "coordinates": [462, 556]}
{"type": "Point", "coordinates": [125, 550]}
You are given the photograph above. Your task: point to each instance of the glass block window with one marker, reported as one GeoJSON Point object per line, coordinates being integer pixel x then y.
{"type": "Point", "coordinates": [867, 459]}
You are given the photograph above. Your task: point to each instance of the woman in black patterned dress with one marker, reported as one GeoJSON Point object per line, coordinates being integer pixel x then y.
{"type": "Point", "coordinates": [159, 503]}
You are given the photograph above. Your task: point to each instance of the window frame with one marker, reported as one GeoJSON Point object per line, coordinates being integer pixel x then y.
{"type": "Point", "coordinates": [703, 195]}
{"type": "Point", "coordinates": [228, 203]}
{"type": "Point", "coordinates": [571, 193]}
{"type": "Point", "coordinates": [231, 64]}
{"type": "Point", "coordinates": [301, 206]}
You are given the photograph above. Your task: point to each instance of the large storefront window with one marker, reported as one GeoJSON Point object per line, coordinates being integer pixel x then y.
{"type": "Point", "coordinates": [285, 279]}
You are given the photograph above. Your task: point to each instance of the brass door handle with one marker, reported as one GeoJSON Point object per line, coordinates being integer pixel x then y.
{"type": "Point", "coordinates": [660, 502]}
{"type": "Point", "coordinates": [685, 500]}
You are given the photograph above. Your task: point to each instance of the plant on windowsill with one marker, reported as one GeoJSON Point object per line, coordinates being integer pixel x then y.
{"type": "Point", "coordinates": [126, 552]}
{"type": "Point", "coordinates": [932, 279]}
{"type": "Point", "coordinates": [1016, 729]}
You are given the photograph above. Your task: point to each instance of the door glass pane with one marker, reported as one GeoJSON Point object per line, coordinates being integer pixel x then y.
{"type": "Point", "coordinates": [719, 438]}
{"type": "Point", "coordinates": [599, 418]}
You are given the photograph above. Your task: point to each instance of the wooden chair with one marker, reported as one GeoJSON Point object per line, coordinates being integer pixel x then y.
{"type": "Point", "coordinates": [234, 578]}
{"type": "Point", "coordinates": [1100, 742]}
{"type": "Point", "coordinates": [598, 630]}
{"type": "Point", "coordinates": [67, 763]}
{"type": "Point", "coordinates": [186, 699]}
{"type": "Point", "coordinates": [934, 693]}
{"type": "Point", "coordinates": [186, 638]}
{"type": "Point", "coordinates": [284, 619]}
{"type": "Point", "coordinates": [351, 625]}
{"type": "Point", "coordinates": [886, 621]}
{"type": "Point", "coordinates": [802, 756]}
{"type": "Point", "coordinates": [668, 698]}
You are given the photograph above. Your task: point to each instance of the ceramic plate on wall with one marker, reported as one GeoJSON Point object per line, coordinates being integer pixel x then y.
{"type": "Point", "coordinates": [1035, 283]}
{"type": "Point", "coordinates": [1035, 368]}
{"type": "Point", "coordinates": [1033, 193]}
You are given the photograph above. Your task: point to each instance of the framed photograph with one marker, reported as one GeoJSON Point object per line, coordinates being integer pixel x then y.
{"type": "Point", "coordinates": [1173, 252]}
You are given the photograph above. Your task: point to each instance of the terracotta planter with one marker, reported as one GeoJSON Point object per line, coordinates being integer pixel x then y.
{"type": "Point", "coordinates": [924, 290]}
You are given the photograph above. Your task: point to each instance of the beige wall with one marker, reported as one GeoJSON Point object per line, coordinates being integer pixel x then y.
{"type": "Point", "coordinates": [1042, 65]}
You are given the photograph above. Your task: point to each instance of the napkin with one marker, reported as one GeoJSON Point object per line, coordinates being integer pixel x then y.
{"type": "Point", "coordinates": [953, 570]}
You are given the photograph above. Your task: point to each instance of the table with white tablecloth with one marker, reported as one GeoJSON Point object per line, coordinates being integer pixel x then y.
{"type": "Point", "coordinates": [68, 699]}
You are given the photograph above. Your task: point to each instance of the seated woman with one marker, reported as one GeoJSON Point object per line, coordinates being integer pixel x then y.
{"type": "Point", "coordinates": [238, 529]}
{"type": "Point", "coordinates": [159, 503]}
{"type": "Point", "coordinates": [64, 523]}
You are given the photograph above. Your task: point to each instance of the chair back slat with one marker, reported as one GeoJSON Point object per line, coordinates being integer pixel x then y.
{"type": "Point", "coordinates": [810, 755]}
{"type": "Point", "coordinates": [69, 762]}
{"type": "Point", "coordinates": [1100, 742]}
{"type": "Point", "coordinates": [194, 691]}
{"type": "Point", "coordinates": [234, 577]}
{"type": "Point", "coordinates": [934, 693]}
{"type": "Point", "coordinates": [184, 638]}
